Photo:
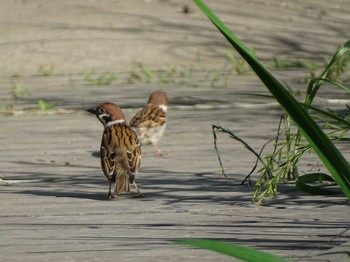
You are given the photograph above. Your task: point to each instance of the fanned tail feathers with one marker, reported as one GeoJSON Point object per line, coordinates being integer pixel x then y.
{"type": "Point", "coordinates": [122, 171]}
{"type": "Point", "coordinates": [122, 183]}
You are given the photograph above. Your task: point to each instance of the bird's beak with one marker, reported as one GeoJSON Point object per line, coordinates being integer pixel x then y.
{"type": "Point", "coordinates": [92, 110]}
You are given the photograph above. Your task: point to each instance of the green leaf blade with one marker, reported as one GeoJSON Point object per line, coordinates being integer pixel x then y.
{"type": "Point", "coordinates": [307, 183]}
{"type": "Point", "coordinates": [233, 250]}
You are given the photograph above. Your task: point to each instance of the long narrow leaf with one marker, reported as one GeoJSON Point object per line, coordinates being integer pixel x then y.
{"type": "Point", "coordinates": [232, 135]}
{"type": "Point", "coordinates": [233, 250]}
{"type": "Point", "coordinates": [328, 153]}
{"type": "Point", "coordinates": [329, 114]}
{"type": "Point", "coordinates": [321, 80]}
{"type": "Point", "coordinates": [314, 184]}
{"type": "Point", "coordinates": [315, 84]}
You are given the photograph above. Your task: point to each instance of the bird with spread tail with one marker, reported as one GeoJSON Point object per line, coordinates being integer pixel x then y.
{"type": "Point", "coordinates": [120, 149]}
{"type": "Point", "coordinates": [150, 122]}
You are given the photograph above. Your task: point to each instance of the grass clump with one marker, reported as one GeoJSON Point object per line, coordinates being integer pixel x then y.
{"type": "Point", "coordinates": [283, 161]}
{"type": "Point", "coordinates": [307, 130]}
{"type": "Point", "coordinates": [281, 164]}
{"type": "Point", "coordinates": [44, 106]}
{"type": "Point", "coordinates": [99, 79]}
{"type": "Point", "coordinates": [46, 71]}
{"type": "Point", "coordinates": [18, 92]}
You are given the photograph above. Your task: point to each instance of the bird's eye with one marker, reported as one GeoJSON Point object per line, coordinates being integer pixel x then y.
{"type": "Point", "coordinates": [101, 110]}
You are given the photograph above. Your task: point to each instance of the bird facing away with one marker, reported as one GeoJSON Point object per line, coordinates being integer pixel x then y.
{"type": "Point", "coordinates": [120, 149]}
{"type": "Point", "coordinates": [150, 122]}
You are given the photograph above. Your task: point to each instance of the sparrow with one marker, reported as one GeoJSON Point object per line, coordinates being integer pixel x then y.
{"type": "Point", "coordinates": [150, 122]}
{"type": "Point", "coordinates": [120, 149]}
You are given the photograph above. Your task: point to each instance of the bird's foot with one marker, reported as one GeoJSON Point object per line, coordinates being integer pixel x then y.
{"type": "Point", "coordinates": [158, 153]}
{"type": "Point", "coordinates": [139, 195]}
{"type": "Point", "coordinates": [110, 196]}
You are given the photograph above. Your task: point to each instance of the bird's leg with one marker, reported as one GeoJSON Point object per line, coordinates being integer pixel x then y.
{"type": "Point", "coordinates": [132, 181]}
{"type": "Point", "coordinates": [110, 195]}
{"type": "Point", "coordinates": [115, 189]}
{"type": "Point", "coordinates": [138, 192]}
{"type": "Point", "coordinates": [158, 151]}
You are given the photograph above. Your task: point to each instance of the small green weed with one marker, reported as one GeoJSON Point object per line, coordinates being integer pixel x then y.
{"type": "Point", "coordinates": [170, 74]}
{"type": "Point", "coordinates": [42, 105]}
{"type": "Point", "coordinates": [44, 71]}
{"type": "Point", "coordinates": [278, 63]}
{"type": "Point", "coordinates": [167, 76]}
{"type": "Point", "coordinates": [147, 72]}
{"type": "Point", "coordinates": [102, 79]}
{"type": "Point", "coordinates": [239, 65]}
{"type": "Point", "coordinates": [18, 92]}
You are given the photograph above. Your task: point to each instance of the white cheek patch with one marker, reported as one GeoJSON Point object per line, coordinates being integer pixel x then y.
{"type": "Point", "coordinates": [101, 116]}
{"type": "Point", "coordinates": [163, 107]}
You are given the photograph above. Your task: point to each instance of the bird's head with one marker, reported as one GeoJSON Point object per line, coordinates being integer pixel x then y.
{"type": "Point", "coordinates": [108, 113]}
{"type": "Point", "coordinates": [159, 99]}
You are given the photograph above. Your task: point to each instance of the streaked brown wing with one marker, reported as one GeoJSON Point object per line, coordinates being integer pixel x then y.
{"type": "Point", "coordinates": [148, 117]}
{"type": "Point", "coordinates": [118, 140]}
{"type": "Point", "coordinates": [126, 138]}
{"type": "Point", "coordinates": [133, 150]}
{"type": "Point", "coordinates": [107, 152]}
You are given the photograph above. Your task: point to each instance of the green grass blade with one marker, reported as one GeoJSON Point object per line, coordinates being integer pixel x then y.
{"type": "Point", "coordinates": [315, 84]}
{"type": "Point", "coordinates": [233, 250]}
{"type": "Point", "coordinates": [314, 183]}
{"type": "Point", "coordinates": [329, 114]}
{"type": "Point", "coordinates": [217, 151]}
{"type": "Point", "coordinates": [233, 136]}
{"type": "Point", "coordinates": [321, 80]}
{"type": "Point", "coordinates": [328, 153]}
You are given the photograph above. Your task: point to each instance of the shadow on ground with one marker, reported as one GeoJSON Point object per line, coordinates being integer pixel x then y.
{"type": "Point", "coordinates": [169, 187]}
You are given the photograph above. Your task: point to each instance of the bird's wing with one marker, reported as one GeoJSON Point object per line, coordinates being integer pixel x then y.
{"type": "Point", "coordinates": [133, 149]}
{"type": "Point", "coordinates": [107, 152]}
{"type": "Point", "coordinates": [121, 146]}
{"type": "Point", "coordinates": [148, 117]}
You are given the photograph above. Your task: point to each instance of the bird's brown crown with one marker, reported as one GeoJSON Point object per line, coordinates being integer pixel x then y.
{"type": "Point", "coordinates": [158, 98]}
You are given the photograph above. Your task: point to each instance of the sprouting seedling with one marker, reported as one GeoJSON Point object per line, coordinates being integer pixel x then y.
{"type": "Point", "coordinates": [18, 92]}
{"type": "Point", "coordinates": [149, 74]}
{"type": "Point", "coordinates": [102, 79]}
{"type": "Point", "coordinates": [240, 65]}
{"type": "Point", "coordinates": [46, 71]}
{"type": "Point", "coordinates": [42, 105]}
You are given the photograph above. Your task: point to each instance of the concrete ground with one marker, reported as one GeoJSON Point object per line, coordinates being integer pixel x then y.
{"type": "Point", "coordinates": [53, 190]}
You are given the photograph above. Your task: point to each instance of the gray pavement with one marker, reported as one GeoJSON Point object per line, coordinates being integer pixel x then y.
{"type": "Point", "coordinates": [52, 192]}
